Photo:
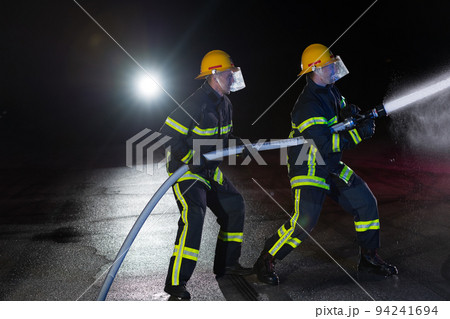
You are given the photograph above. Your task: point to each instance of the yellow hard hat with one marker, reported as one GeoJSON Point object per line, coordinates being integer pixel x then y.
{"type": "Point", "coordinates": [215, 60]}
{"type": "Point", "coordinates": [316, 56]}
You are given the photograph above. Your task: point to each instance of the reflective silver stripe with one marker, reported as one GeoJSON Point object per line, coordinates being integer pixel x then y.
{"type": "Point", "coordinates": [294, 242]}
{"type": "Point", "coordinates": [212, 131]}
{"type": "Point", "coordinates": [332, 121]}
{"type": "Point", "coordinates": [189, 175]}
{"type": "Point", "coordinates": [363, 226]}
{"type": "Point", "coordinates": [312, 161]}
{"type": "Point", "coordinates": [346, 173]}
{"type": "Point", "coordinates": [336, 142]}
{"type": "Point", "coordinates": [182, 239]}
{"type": "Point", "coordinates": [309, 122]}
{"type": "Point", "coordinates": [218, 176]}
{"type": "Point", "coordinates": [177, 126]}
{"type": "Point", "coordinates": [293, 222]}
{"type": "Point", "coordinates": [226, 129]}
{"type": "Point", "coordinates": [188, 253]}
{"type": "Point", "coordinates": [281, 231]}
{"type": "Point", "coordinates": [225, 236]}
{"type": "Point", "coordinates": [355, 136]}
{"type": "Point", "coordinates": [187, 157]}
{"type": "Point", "coordinates": [206, 131]}
{"type": "Point", "coordinates": [305, 180]}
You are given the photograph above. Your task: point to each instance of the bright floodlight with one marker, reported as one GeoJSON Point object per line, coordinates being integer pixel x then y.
{"type": "Point", "coordinates": [147, 87]}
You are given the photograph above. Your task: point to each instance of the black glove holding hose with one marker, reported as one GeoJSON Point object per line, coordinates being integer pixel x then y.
{"type": "Point", "coordinates": [351, 110]}
{"type": "Point", "coordinates": [366, 129]}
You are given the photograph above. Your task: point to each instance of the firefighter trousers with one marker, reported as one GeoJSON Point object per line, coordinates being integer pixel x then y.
{"type": "Point", "coordinates": [356, 199]}
{"type": "Point", "coordinates": [227, 204]}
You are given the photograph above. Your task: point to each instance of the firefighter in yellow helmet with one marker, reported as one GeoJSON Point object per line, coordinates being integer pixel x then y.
{"type": "Point", "coordinates": [318, 107]}
{"type": "Point", "coordinates": [203, 117]}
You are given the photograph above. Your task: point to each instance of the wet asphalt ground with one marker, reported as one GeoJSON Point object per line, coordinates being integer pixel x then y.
{"type": "Point", "coordinates": [64, 215]}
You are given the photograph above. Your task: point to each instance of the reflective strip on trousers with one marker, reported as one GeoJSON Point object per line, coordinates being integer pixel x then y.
{"type": "Point", "coordinates": [363, 226]}
{"type": "Point", "coordinates": [225, 236]}
{"type": "Point", "coordinates": [189, 175]}
{"type": "Point", "coordinates": [188, 253]}
{"type": "Point", "coordinates": [286, 237]}
{"type": "Point", "coordinates": [218, 176]}
{"type": "Point", "coordinates": [182, 240]}
{"type": "Point", "coordinates": [305, 180]}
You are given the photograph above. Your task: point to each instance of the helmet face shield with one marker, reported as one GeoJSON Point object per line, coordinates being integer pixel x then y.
{"type": "Point", "coordinates": [230, 80]}
{"type": "Point", "coordinates": [340, 70]}
{"type": "Point", "coordinates": [238, 80]}
{"type": "Point", "coordinates": [333, 71]}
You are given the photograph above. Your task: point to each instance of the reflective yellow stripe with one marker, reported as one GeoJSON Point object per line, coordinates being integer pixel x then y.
{"type": "Point", "coordinates": [291, 135]}
{"type": "Point", "coordinates": [189, 175]}
{"type": "Point", "coordinates": [286, 237]}
{"type": "Point", "coordinates": [182, 239]}
{"type": "Point", "coordinates": [363, 226]}
{"type": "Point", "coordinates": [309, 122]}
{"type": "Point", "coordinates": [355, 136]}
{"type": "Point", "coordinates": [177, 126]}
{"type": "Point", "coordinates": [226, 129]}
{"type": "Point", "coordinates": [332, 121]}
{"type": "Point", "coordinates": [312, 161]}
{"type": "Point", "coordinates": [346, 173]}
{"type": "Point", "coordinates": [237, 237]}
{"type": "Point", "coordinates": [305, 180]}
{"type": "Point", "coordinates": [212, 131]}
{"type": "Point", "coordinates": [218, 176]}
{"type": "Point", "coordinates": [294, 242]}
{"type": "Point", "coordinates": [188, 253]}
{"type": "Point", "coordinates": [281, 231]}
{"type": "Point", "coordinates": [336, 144]}
{"type": "Point", "coordinates": [206, 131]}
{"type": "Point", "coordinates": [187, 157]}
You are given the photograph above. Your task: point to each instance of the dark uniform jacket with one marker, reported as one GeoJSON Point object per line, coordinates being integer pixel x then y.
{"type": "Point", "coordinates": [312, 164]}
{"type": "Point", "coordinates": [204, 115]}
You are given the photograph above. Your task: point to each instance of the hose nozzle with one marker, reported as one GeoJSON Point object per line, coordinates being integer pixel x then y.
{"type": "Point", "coordinates": [351, 122]}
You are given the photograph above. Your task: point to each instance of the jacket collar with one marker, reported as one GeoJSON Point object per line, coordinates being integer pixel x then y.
{"type": "Point", "coordinates": [317, 88]}
{"type": "Point", "coordinates": [212, 94]}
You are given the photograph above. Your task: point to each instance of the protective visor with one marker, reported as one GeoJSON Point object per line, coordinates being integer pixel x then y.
{"type": "Point", "coordinates": [238, 80]}
{"type": "Point", "coordinates": [340, 70]}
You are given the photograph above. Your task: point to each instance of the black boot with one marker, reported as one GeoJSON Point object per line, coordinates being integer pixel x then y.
{"type": "Point", "coordinates": [370, 262]}
{"type": "Point", "coordinates": [265, 269]}
{"type": "Point", "coordinates": [177, 292]}
{"type": "Point", "coordinates": [237, 270]}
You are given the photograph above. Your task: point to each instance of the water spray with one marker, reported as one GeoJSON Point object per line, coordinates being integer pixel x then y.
{"type": "Point", "coordinates": [392, 106]}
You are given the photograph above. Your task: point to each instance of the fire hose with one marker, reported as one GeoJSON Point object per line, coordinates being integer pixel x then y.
{"type": "Point", "coordinates": [215, 155]}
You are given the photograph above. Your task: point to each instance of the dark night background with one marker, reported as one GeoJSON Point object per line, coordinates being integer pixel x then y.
{"type": "Point", "coordinates": [67, 86]}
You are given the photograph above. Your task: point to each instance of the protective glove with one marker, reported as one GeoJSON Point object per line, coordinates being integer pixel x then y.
{"type": "Point", "coordinates": [200, 164]}
{"type": "Point", "coordinates": [366, 129]}
{"type": "Point", "coordinates": [351, 110]}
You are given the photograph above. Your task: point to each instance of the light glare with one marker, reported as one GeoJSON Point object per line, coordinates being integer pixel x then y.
{"type": "Point", "coordinates": [147, 87]}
